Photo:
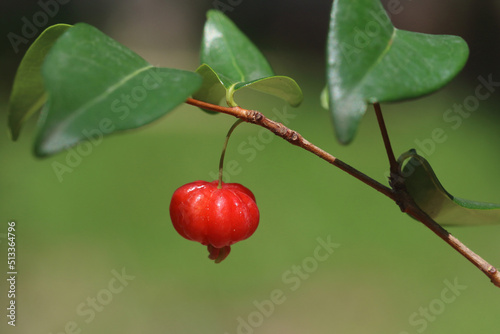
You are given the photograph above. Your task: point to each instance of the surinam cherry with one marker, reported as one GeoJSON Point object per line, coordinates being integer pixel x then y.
{"type": "Point", "coordinates": [215, 214]}
{"type": "Point", "coordinates": [215, 217]}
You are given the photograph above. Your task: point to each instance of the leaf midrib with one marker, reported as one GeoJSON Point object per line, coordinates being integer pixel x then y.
{"type": "Point", "coordinates": [102, 96]}
{"type": "Point", "coordinates": [375, 63]}
{"type": "Point", "coordinates": [230, 53]}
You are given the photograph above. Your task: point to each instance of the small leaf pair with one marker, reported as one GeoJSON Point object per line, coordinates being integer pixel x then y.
{"type": "Point", "coordinates": [230, 62]}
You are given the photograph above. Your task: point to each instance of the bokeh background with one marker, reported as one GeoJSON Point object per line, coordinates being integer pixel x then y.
{"type": "Point", "coordinates": [388, 274]}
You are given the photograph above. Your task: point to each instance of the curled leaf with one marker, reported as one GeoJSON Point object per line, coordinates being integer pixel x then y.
{"type": "Point", "coordinates": [424, 187]}
{"type": "Point", "coordinates": [28, 93]}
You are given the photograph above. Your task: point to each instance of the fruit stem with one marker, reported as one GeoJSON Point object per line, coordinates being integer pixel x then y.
{"type": "Point", "coordinates": [221, 162]}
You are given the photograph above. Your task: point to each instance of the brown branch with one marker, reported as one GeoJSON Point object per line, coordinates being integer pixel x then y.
{"type": "Point", "coordinates": [478, 261]}
{"type": "Point", "coordinates": [398, 192]}
{"type": "Point", "coordinates": [293, 137]}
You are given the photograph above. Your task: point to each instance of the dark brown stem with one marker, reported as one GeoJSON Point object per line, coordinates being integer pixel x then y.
{"type": "Point", "coordinates": [398, 193]}
{"type": "Point", "coordinates": [387, 143]}
{"type": "Point", "coordinates": [478, 261]}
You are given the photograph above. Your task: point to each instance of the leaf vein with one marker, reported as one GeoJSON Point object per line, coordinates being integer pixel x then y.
{"type": "Point", "coordinates": [103, 95]}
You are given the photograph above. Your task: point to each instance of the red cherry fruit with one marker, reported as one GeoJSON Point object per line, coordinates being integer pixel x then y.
{"type": "Point", "coordinates": [216, 218]}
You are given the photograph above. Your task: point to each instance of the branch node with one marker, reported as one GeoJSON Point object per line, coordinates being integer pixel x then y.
{"type": "Point", "coordinates": [283, 131]}
{"type": "Point", "coordinates": [397, 183]}
{"type": "Point", "coordinates": [254, 116]}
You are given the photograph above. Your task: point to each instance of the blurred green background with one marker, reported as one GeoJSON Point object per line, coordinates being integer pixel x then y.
{"type": "Point", "coordinates": [389, 274]}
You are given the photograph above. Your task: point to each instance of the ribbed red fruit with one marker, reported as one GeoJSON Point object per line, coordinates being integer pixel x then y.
{"type": "Point", "coordinates": [216, 218]}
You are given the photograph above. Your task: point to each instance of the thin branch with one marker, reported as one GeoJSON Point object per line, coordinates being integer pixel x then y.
{"type": "Point", "coordinates": [398, 194]}
{"type": "Point", "coordinates": [475, 259]}
{"type": "Point", "coordinates": [293, 137]}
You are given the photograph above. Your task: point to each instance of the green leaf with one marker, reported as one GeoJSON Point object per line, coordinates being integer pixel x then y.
{"type": "Point", "coordinates": [28, 93]}
{"type": "Point", "coordinates": [279, 86]}
{"type": "Point", "coordinates": [428, 193]}
{"type": "Point", "coordinates": [96, 86]}
{"type": "Point", "coordinates": [230, 53]}
{"type": "Point", "coordinates": [371, 61]}
{"type": "Point", "coordinates": [211, 90]}
{"type": "Point", "coordinates": [230, 62]}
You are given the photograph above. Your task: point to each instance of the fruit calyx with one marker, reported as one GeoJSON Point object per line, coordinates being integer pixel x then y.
{"type": "Point", "coordinates": [218, 254]}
